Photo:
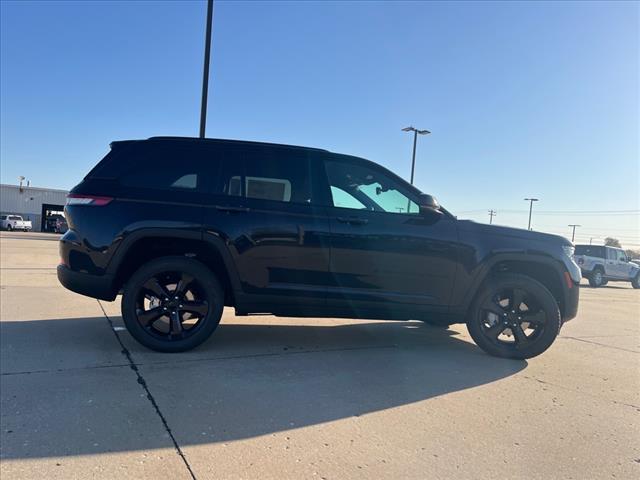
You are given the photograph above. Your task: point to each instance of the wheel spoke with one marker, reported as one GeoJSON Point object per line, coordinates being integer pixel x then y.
{"type": "Point", "coordinates": [198, 308]}
{"type": "Point", "coordinates": [175, 328]}
{"type": "Point", "coordinates": [495, 330]}
{"type": "Point", "coordinates": [519, 336]}
{"type": "Point", "coordinates": [536, 318]}
{"type": "Point", "coordinates": [154, 287]}
{"type": "Point", "coordinates": [147, 317]}
{"type": "Point", "coordinates": [182, 286]}
{"type": "Point", "coordinates": [517, 297]}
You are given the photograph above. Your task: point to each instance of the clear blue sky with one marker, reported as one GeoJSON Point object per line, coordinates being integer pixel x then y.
{"type": "Point", "coordinates": [523, 99]}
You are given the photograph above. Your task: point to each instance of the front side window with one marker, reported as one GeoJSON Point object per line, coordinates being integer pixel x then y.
{"type": "Point", "coordinates": [621, 256]}
{"type": "Point", "coordinates": [363, 188]}
{"type": "Point", "coordinates": [611, 254]}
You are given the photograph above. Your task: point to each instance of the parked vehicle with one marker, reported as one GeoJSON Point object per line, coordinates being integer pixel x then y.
{"type": "Point", "coordinates": [61, 225]}
{"type": "Point", "coordinates": [182, 227]}
{"type": "Point", "coordinates": [601, 264]}
{"type": "Point", "coordinates": [14, 222]}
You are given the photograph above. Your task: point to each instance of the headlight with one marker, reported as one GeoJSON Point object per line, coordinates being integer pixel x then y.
{"type": "Point", "coordinates": [568, 250]}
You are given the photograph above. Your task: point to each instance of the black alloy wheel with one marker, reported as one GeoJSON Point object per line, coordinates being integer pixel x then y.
{"type": "Point", "coordinates": [514, 316]}
{"type": "Point", "coordinates": [172, 304]}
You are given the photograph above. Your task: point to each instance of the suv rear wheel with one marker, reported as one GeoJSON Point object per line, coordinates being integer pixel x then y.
{"type": "Point", "coordinates": [172, 304]}
{"type": "Point", "coordinates": [635, 282]}
{"type": "Point", "coordinates": [596, 279]}
{"type": "Point", "coordinates": [514, 316]}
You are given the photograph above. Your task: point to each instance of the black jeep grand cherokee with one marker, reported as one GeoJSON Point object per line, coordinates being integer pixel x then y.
{"type": "Point", "coordinates": [182, 227]}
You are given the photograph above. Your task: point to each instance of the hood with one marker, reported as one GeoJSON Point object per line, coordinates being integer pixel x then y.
{"type": "Point", "coordinates": [519, 233]}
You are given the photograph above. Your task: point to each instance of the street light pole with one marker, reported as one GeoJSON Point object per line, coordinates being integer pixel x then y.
{"type": "Point", "coordinates": [573, 234]}
{"type": "Point", "coordinates": [530, 200]}
{"type": "Point", "coordinates": [416, 132]}
{"type": "Point", "coordinates": [205, 73]}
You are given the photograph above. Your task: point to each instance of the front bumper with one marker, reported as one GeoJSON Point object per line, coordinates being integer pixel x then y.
{"type": "Point", "coordinates": [571, 301]}
{"type": "Point", "coordinates": [96, 286]}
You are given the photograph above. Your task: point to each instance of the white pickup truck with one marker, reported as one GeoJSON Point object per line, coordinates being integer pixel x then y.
{"type": "Point", "coordinates": [14, 222]}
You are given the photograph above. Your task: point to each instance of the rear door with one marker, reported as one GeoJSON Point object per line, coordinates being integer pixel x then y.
{"type": "Point", "coordinates": [263, 207]}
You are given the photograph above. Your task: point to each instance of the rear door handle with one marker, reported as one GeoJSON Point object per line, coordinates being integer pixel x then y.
{"type": "Point", "coordinates": [353, 220]}
{"type": "Point", "coordinates": [229, 208]}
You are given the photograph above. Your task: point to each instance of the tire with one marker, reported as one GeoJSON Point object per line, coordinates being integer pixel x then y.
{"type": "Point", "coordinates": [499, 324]}
{"type": "Point", "coordinates": [596, 278]}
{"type": "Point", "coordinates": [635, 283]}
{"type": "Point", "coordinates": [191, 315]}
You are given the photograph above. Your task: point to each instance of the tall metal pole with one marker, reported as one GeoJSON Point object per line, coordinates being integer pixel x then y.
{"type": "Point", "coordinates": [530, 200]}
{"type": "Point", "coordinates": [413, 159]}
{"type": "Point", "coordinates": [492, 213]}
{"type": "Point", "coordinates": [573, 234]}
{"type": "Point", "coordinates": [205, 73]}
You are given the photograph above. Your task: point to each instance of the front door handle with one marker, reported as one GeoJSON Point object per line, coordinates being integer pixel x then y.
{"type": "Point", "coordinates": [353, 220]}
{"type": "Point", "coordinates": [230, 209]}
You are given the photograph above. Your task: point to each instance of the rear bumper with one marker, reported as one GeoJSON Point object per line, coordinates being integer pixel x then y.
{"type": "Point", "coordinates": [95, 286]}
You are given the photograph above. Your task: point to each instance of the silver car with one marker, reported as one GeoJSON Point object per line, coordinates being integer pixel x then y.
{"type": "Point", "coordinates": [601, 264]}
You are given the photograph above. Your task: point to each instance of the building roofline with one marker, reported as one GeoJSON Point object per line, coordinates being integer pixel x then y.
{"type": "Point", "coordinates": [24, 187]}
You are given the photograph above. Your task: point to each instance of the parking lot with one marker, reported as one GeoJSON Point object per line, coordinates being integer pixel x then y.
{"type": "Point", "coordinates": [270, 397]}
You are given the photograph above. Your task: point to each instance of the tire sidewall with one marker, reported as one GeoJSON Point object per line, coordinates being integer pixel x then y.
{"type": "Point", "coordinates": [542, 295]}
{"type": "Point", "coordinates": [210, 285]}
{"type": "Point", "coordinates": [592, 279]}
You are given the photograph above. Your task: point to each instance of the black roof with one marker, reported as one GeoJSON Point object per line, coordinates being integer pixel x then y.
{"type": "Point", "coordinates": [217, 140]}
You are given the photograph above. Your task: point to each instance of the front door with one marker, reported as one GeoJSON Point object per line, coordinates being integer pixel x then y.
{"type": "Point", "coordinates": [277, 237]}
{"type": "Point", "coordinates": [387, 258]}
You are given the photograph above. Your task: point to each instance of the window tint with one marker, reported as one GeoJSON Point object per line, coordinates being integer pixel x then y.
{"type": "Point", "coordinates": [590, 250]}
{"type": "Point", "coordinates": [370, 188]}
{"type": "Point", "coordinates": [166, 166]}
{"type": "Point", "coordinates": [280, 175]}
{"type": "Point", "coordinates": [343, 199]}
{"type": "Point", "coordinates": [15, 217]}
{"type": "Point", "coordinates": [611, 254]}
{"type": "Point", "coordinates": [621, 256]}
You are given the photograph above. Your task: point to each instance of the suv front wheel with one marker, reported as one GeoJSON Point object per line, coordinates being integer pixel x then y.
{"type": "Point", "coordinates": [514, 316]}
{"type": "Point", "coordinates": [172, 304]}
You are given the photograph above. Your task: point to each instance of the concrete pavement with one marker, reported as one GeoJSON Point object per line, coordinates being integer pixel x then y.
{"type": "Point", "coordinates": [281, 398]}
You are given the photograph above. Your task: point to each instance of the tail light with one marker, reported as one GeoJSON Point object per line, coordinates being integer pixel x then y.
{"type": "Point", "coordinates": [89, 200]}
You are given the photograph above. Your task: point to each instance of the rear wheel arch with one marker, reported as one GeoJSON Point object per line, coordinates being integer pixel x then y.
{"type": "Point", "coordinates": [136, 252]}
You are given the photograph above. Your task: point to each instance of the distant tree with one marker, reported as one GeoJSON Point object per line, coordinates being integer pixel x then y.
{"type": "Point", "coordinates": [632, 253]}
{"type": "Point", "coordinates": [612, 242]}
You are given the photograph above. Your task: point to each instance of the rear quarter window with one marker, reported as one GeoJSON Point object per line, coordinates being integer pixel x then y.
{"type": "Point", "coordinates": [590, 250]}
{"type": "Point", "coordinates": [166, 166]}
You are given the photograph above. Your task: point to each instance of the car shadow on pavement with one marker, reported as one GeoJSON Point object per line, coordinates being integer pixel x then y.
{"type": "Point", "coordinates": [248, 380]}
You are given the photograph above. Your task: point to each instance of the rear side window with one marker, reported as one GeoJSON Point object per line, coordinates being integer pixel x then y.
{"type": "Point", "coordinates": [590, 250]}
{"type": "Point", "coordinates": [166, 166]}
{"type": "Point", "coordinates": [274, 174]}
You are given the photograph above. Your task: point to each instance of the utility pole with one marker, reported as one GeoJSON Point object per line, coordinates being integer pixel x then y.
{"type": "Point", "coordinates": [492, 213]}
{"type": "Point", "coordinates": [416, 132]}
{"type": "Point", "coordinates": [530, 200]}
{"type": "Point", "coordinates": [573, 234]}
{"type": "Point", "coordinates": [205, 73]}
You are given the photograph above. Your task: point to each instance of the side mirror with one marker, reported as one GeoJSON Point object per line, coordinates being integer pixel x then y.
{"type": "Point", "coordinates": [428, 204]}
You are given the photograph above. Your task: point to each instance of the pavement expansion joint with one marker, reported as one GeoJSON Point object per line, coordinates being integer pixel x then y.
{"type": "Point", "coordinates": [150, 397]}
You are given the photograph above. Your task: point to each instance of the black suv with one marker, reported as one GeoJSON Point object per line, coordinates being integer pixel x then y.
{"type": "Point", "coordinates": [182, 227]}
